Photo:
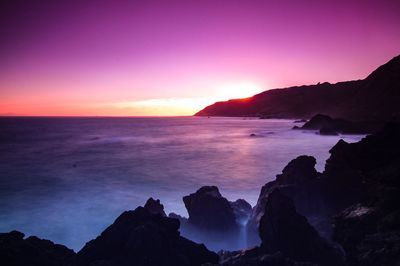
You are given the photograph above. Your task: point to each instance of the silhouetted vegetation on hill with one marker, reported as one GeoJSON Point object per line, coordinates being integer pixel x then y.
{"type": "Point", "coordinates": [374, 98]}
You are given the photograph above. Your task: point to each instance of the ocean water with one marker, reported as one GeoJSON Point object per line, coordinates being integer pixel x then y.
{"type": "Point", "coordinates": [67, 179]}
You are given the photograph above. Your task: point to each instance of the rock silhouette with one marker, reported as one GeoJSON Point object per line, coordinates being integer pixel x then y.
{"type": "Point", "coordinates": [284, 230]}
{"type": "Point", "coordinates": [242, 210]}
{"type": "Point", "coordinates": [154, 207]}
{"type": "Point", "coordinates": [215, 220]}
{"type": "Point", "coordinates": [17, 251]}
{"type": "Point", "coordinates": [374, 98]}
{"type": "Point", "coordinates": [301, 182]}
{"type": "Point", "coordinates": [330, 126]}
{"type": "Point", "coordinates": [360, 188]}
{"type": "Point", "coordinates": [141, 238]}
{"type": "Point", "coordinates": [209, 210]}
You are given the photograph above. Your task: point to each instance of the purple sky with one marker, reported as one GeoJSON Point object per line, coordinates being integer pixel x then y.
{"type": "Point", "coordinates": [174, 57]}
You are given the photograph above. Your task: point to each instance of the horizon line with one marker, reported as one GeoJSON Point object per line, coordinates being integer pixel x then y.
{"type": "Point", "coordinates": [92, 116]}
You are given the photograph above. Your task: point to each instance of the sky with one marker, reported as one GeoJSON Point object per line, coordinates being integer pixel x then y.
{"type": "Point", "coordinates": [166, 58]}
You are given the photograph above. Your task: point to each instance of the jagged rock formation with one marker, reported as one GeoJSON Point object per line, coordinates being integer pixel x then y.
{"type": "Point", "coordinates": [209, 210]}
{"type": "Point", "coordinates": [141, 238]}
{"type": "Point", "coordinates": [333, 126]}
{"type": "Point", "coordinates": [300, 181]}
{"type": "Point", "coordinates": [360, 187]}
{"type": "Point", "coordinates": [32, 251]}
{"type": "Point", "coordinates": [154, 207]}
{"type": "Point", "coordinates": [284, 230]}
{"type": "Point", "coordinates": [287, 239]}
{"type": "Point", "coordinates": [215, 220]}
{"type": "Point", "coordinates": [242, 210]}
{"type": "Point", "coordinates": [375, 98]}
{"type": "Point", "coordinates": [369, 230]}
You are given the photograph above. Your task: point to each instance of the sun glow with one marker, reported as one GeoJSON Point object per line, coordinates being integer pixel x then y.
{"type": "Point", "coordinates": [170, 106]}
{"type": "Point", "coordinates": [167, 106]}
{"type": "Point", "coordinates": [184, 106]}
{"type": "Point", "coordinates": [238, 90]}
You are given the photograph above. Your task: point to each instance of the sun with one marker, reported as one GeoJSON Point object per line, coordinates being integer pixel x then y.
{"type": "Point", "coordinates": [238, 90]}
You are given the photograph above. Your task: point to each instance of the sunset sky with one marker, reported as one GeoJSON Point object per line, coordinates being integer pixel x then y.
{"type": "Point", "coordinates": [175, 57]}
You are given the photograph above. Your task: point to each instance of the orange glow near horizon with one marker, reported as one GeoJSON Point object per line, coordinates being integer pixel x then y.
{"type": "Point", "coordinates": [48, 106]}
{"type": "Point", "coordinates": [168, 58]}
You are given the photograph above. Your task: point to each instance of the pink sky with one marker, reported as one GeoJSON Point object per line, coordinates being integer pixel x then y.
{"type": "Point", "coordinates": [175, 57]}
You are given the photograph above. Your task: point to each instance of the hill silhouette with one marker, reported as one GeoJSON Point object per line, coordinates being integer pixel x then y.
{"type": "Point", "coordinates": [375, 98]}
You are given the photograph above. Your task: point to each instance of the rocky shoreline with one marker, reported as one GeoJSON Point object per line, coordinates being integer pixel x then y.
{"type": "Point", "coordinates": [346, 215]}
{"type": "Point", "coordinates": [325, 125]}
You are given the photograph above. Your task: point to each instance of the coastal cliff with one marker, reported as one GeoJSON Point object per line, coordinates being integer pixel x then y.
{"type": "Point", "coordinates": [374, 98]}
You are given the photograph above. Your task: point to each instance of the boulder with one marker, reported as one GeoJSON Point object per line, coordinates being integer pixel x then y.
{"type": "Point", "coordinates": [242, 210]}
{"type": "Point", "coordinates": [141, 238]}
{"type": "Point", "coordinates": [300, 181]}
{"type": "Point", "coordinates": [209, 210]}
{"type": "Point", "coordinates": [351, 226]}
{"type": "Point", "coordinates": [287, 240]}
{"type": "Point", "coordinates": [369, 228]}
{"type": "Point", "coordinates": [214, 220]}
{"type": "Point", "coordinates": [154, 207]}
{"type": "Point", "coordinates": [284, 230]}
{"type": "Point", "coordinates": [363, 170]}
{"type": "Point", "coordinates": [332, 126]}
{"type": "Point", "coordinates": [319, 121]}
{"type": "Point", "coordinates": [298, 171]}
{"type": "Point", "coordinates": [17, 251]}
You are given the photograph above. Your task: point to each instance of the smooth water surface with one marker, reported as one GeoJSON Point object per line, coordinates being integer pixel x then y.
{"type": "Point", "coordinates": [66, 179]}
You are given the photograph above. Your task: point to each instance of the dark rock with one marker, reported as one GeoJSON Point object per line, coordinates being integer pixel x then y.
{"type": "Point", "coordinates": [214, 220]}
{"type": "Point", "coordinates": [258, 210]}
{"type": "Point", "coordinates": [329, 126]}
{"type": "Point", "coordinates": [242, 210]}
{"type": "Point", "coordinates": [363, 177]}
{"type": "Point", "coordinates": [328, 131]}
{"type": "Point", "coordinates": [284, 230]}
{"type": "Point", "coordinates": [253, 135]}
{"type": "Point", "coordinates": [255, 257]}
{"type": "Point", "coordinates": [155, 207]}
{"type": "Point", "coordinates": [141, 238]}
{"type": "Point", "coordinates": [359, 170]}
{"type": "Point", "coordinates": [17, 251]}
{"type": "Point", "coordinates": [365, 244]}
{"type": "Point", "coordinates": [352, 225]}
{"type": "Point", "coordinates": [298, 180]}
{"type": "Point", "coordinates": [209, 210]}
{"type": "Point", "coordinates": [318, 121]}
{"type": "Point", "coordinates": [179, 217]}
{"type": "Point", "coordinates": [298, 171]}
{"type": "Point", "coordinates": [368, 230]}
{"type": "Point", "coordinates": [390, 222]}
{"type": "Point", "coordinates": [380, 249]}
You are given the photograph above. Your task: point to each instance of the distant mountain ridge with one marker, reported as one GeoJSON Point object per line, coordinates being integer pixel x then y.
{"type": "Point", "coordinates": [377, 97]}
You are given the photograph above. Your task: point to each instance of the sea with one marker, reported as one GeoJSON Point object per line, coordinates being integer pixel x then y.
{"type": "Point", "coordinates": [67, 178]}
